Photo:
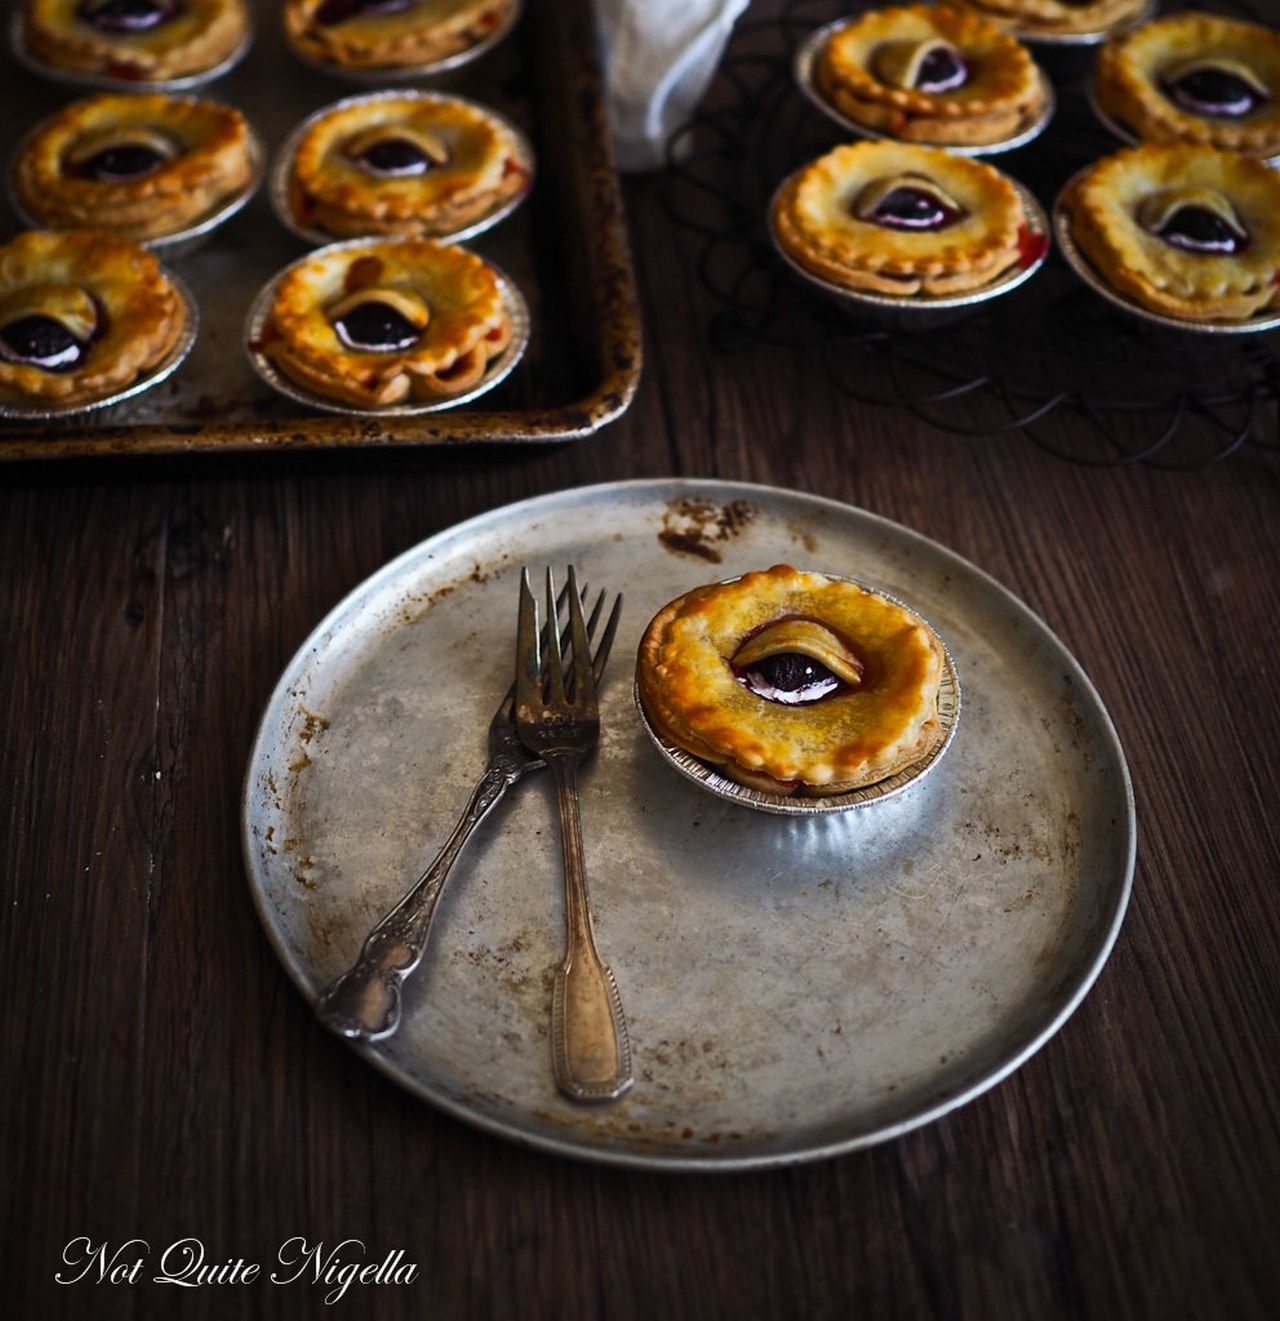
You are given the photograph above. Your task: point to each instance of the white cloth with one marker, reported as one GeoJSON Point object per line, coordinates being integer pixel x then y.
{"type": "Point", "coordinates": [659, 58]}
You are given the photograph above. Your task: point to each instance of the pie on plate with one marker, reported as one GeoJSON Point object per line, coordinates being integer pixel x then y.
{"type": "Point", "coordinates": [1058, 18]}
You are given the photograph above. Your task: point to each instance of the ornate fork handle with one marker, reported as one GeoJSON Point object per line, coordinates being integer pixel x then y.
{"type": "Point", "coordinates": [364, 1003]}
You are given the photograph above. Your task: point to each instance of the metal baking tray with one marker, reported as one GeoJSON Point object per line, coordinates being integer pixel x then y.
{"type": "Point", "coordinates": [793, 987]}
{"type": "Point", "coordinates": [566, 248]}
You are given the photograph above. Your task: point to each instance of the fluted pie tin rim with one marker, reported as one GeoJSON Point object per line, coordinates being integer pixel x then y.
{"type": "Point", "coordinates": [803, 69]}
{"type": "Point", "coordinates": [1085, 269]}
{"type": "Point", "coordinates": [499, 368]}
{"type": "Point", "coordinates": [713, 780]}
{"type": "Point", "coordinates": [104, 82]}
{"type": "Point", "coordinates": [43, 412]}
{"type": "Point", "coordinates": [282, 166]}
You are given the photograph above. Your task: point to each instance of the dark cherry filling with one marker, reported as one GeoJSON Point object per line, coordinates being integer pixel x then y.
{"type": "Point", "coordinates": [941, 70]}
{"type": "Point", "coordinates": [333, 12]}
{"type": "Point", "coordinates": [127, 16]}
{"type": "Point", "coordinates": [130, 160]}
{"type": "Point", "coordinates": [40, 341]}
{"type": "Point", "coordinates": [790, 678]}
{"type": "Point", "coordinates": [376, 327]}
{"type": "Point", "coordinates": [395, 158]}
{"type": "Point", "coordinates": [1195, 230]}
{"type": "Point", "coordinates": [1214, 92]}
{"type": "Point", "coordinates": [913, 208]}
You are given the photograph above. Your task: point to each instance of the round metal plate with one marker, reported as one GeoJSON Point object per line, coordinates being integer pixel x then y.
{"type": "Point", "coordinates": [794, 989]}
{"type": "Point", "coordinates": [1092, 38]}
{"type": "Point", "coordinates": [104, 82]}
{"type": "Point", "coordinates": [498, 370]}
{"type": "Point", "coordinates": [43, 412]}
{"type": "Point", "coordinates": [1079, 263]}
{"type": "Point", "coordinates": [283, 167]}
{"type": "Point", "coordinates": [802, 67]}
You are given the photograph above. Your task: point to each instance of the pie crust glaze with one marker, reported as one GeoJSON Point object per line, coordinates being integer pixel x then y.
{"type": "Point", "coordinates": [188, 38]}
{"type": "Point", "coordinates": [101, 312]}
{"type": "Point", "coordinates": [1057, 17]}
{"type": "Point", "coordinates": [445, 304]}
{"type": "Point", "coordinates": [389, 34]}
{"type": "Point", "coordinates": [1135, 213]}
{"type": "Point", "coordinates": [1144, 76]}
{"type": "Point", "coordinates": [141, 166]}
{"type": "Point", "coordinates": [926, 74]}
{"type": "Point", "coordinates": [825, 217]}
{"type": "Point", "coordinates": [447, 163]}
{"type": "Point", "coordinates": [694, 667]}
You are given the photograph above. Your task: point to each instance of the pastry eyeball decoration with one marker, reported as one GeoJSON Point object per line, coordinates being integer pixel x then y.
{"type": "Point", "coordinates": [793, 682]}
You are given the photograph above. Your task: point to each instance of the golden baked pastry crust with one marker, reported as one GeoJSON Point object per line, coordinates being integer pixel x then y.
{"type": "Point", "coordinates": [199, 36]}
{"type": "Point", "coordinates": [1057, 17]}
{"type": "Point", "coordinates": [465, 323]}
{"type": "Point", "coordinates": [1133, 67]}
{"type": "Point", "coordinates": [211, 162]}
{"type": "Point", "coordinates": [816, 222]}
{"type": "Point", "coordinates": [422, 33]}
{"type": "Point", "coordinates": [861, 72]}
{"type": "Point", "coordinates": [136, 315]}
{"type": "Point", "coordinates": [329, 189]}
{"type": "Point", "coordinates": [854, 737]}
{"type": "Point", "coordinates": [1107, 204]}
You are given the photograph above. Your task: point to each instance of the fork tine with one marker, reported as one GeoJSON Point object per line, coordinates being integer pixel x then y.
{"type": "Point", "coordinates": [606, 642]}
{"type": "Point", "coordinates": [555, 662]}
{"type": "Point", "coordinates": [528, 658]}
{"type": "Point", "coordinates": [583, 682]}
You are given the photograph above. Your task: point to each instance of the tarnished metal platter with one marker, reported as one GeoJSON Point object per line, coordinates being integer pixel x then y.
{"type": "Point", "coordinates": [794, 987]}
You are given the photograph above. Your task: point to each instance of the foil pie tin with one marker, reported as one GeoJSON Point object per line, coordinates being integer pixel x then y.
{"type": "Point", "coordinates": [105, 82]}
{"type": "Point", "coordinates": [1093, 37]}
{"type": "Point", "coordinates": [182, 242]}
{"type": "Point", "coordinates": [710, 778]}
{"type": "Point", "coordinates": [1080, 264]}
{"type": "Point", "coordinates": [922, 311]}
{"type": "Point", "coordinates": [498, 370]}
{"type": "Point", "coordinates": [42, 411]}
{"type": "Point", "coordinates": [282, 167]}
{"type": "Point", "coordinates": [408, 73]}
{"type": "Point", "coordinates": [804, 69]}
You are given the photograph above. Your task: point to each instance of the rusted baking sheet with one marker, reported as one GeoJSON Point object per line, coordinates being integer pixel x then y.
{"type": "Point", "coordinates": [566, 247]}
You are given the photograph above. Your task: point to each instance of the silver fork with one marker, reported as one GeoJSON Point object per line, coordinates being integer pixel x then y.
{"type": "Point", "coordinates": [364, 1003]}
{"type": "Point", "coordinates": [560, 723]}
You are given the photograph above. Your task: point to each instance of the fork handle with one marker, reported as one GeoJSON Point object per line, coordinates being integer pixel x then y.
{"type": "Point", "coordinates": [364, 1003]}
{"type": "Point", "coordinates": [590, 1048]}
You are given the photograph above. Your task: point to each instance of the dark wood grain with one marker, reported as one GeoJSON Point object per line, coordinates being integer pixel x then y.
{"type": "Point", "coordinates": [162, 1078]}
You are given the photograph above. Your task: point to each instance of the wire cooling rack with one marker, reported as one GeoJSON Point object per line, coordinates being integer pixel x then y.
{"type": "Point", "coordinates": [1145, 394]}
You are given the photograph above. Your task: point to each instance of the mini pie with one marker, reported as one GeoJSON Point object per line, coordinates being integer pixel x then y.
{"type": "Point", "coordinates": [386, 322]}
{"type": "Point", "coordinates": [135, 40]}
{"type": "Point", "coordinates": [1190, 232]}
{"type": "Point", "coordinates": [413, 164]}
{"type": "Point", "coordinates": [1057, 17]}
{"type": "Point", "coordinates": [388, 34]}
{"type": "Point", "coordinates": [81, 316]}
{"type": "Point", "coordinates": [1195, 78]}
{"type": "Point", "coordinates": [928, 74]}
{"type": "Point", "coordinates": [793, 682]}
{"type": "Point", "coordinates": [140, 166]}
{"type": "Point", "coordinates": [897, 219]}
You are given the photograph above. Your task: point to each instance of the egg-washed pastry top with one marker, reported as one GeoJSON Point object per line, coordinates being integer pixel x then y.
{"type": "Point", "coordinates": [1195, 78]}
{"type": "Point", "coordinates": [135, 40]}
{"type": "Point", "coordinates": [1190, 232]}
{"type": "Point", "coordinates": [930, 74]}
{"type": "Point", "coordinates": [893, 218]}
{"type": "Point", "coordinates": [793, 682]}
{"type": "Point", "coordinates": [382, 323]}
{"type": "Point", "coordinates": [387, 34]}
{"type": "Point", "coordinates": [140, 166]}
{"type": "Point", "coordinates": [1058, 17]}
{"type": "Point", "coordinates": [415, 164]}
{"type": "Point", "coordinates": [82, 316]}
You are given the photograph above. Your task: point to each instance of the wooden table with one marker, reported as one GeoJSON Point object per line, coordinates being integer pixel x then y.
{"type": "Point", "coordinates": [162, 1077]}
